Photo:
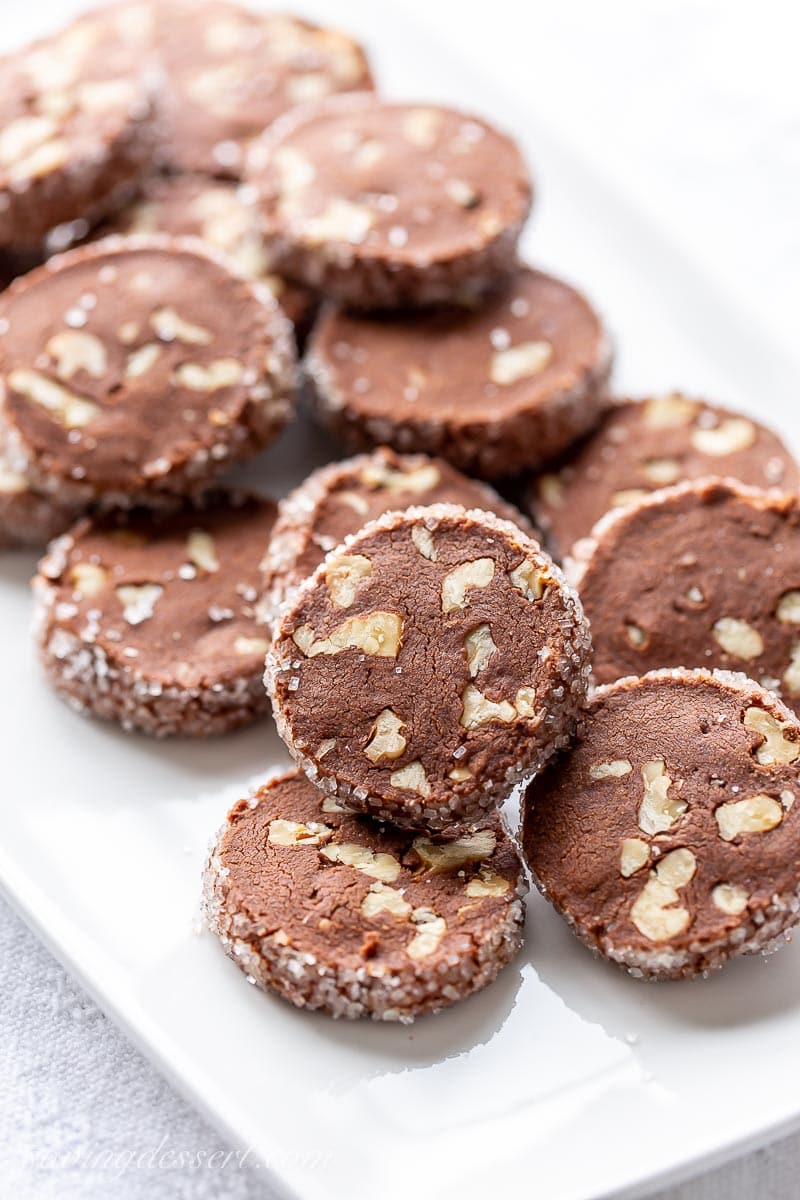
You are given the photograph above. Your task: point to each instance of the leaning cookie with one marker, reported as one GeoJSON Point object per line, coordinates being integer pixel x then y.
{"type": "Point", "coordinates": [495, 389]}
{"type": "Point", "coordinates": [150, 621]}
{"type": "Point", "coordinates": [668, 837]}
{"type": "Point", "coordinates": [643, 445]}
{"type": "Point", "coordinates": [702, 574]}
{"type": "Point", "coordinates": [337, 500]}
{"type": "Point", "coordinates": [381, 205]}
{"type": "Point", "coordinates": [336, 912]}
{"type": "Point", "coordinates": [78, 129]}
{"type": "Point", "coordinates": [139, 368]}
{"type": "Point", "coordinates": [431, 662]}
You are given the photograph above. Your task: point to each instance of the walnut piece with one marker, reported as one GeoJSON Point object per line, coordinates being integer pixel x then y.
{"type": "Point", "coordinates": [788, 610]}
{"type": "Point", "coordinates": [487, 884]}
{"type": "Point", "coordinates": [201, 551]}
{"type": "Point", "coordinates": [142, 360]}
{"type": "Point", "coordinates": [775, 748]}
{"type": "Point", "coordinates": [170, 327]}
{"type": "Point", "coordinates": [611, 769]}
{"type": "Point", "coordinates": [381, 898]}
{"type": "Point", "coordinates": [378, 633]}
{"type": "Point", "coordinates": [655, 912]}
{"type": "Point", "coordinates": [74, 350]}
{"type": "Point", "coordinates": [432, 930]}
{"type": "Point", "coordinates": [441, 857]}
{"type": "Point", "coordinates": [251, 645]}
{"type": "Point", "coordinates": [658, 811]}
{"type": "Point", "coordinates": [422, 538]}
{"type": "Point", "coordinates": [295, 833]}
{"type": "Point", "coordinates": [138, 601]}
{"type": "Point", "coordinates": [476, 573]}
{"type": "Point", "coordinates": [386, 740]}
{"type": "Point", "coordinates": [480, 646]}
{"type": "Point", "coordinates": [411, 778]}
{"type": "Point", "coordinates": [87, 579]}
{"type": "Point", "coordinates": [662, 471]}
{"type": "Point", "coordinates": [520, 362]}
{"type": "Point", "coordinates": [421, 126]}
{"type": "Point", "coordinates": [791, 676]}
{"type": "Point", "coordinates": [418, 480]}
{"type": "Point", "coordinates": [343, 574]}
{"type": "Point", "coordinates": [478, 710]}
{"type": "Point", "coordinates": [732, 434]}
{"type": "Point", "coordinates": [634, 853]}
{"type": "Point", "coordinates": [222, 373]}
{"type": "Point", "coordinates": [71, 411]}
{"type": "Point", "coordinates": [340, 221]}
{"type": "Point", "coordinates": [756, 814]}
{"type": "Point", "coordinates": [528, 579]}
{"type": "Point", "coordinates": [729, 898]}
{"type": "Point", "coordinates": [665, 412]}
{"type": "Point", "coordinates": [738, 638]}
{"type": "Point", "coordinates": [378, 866]}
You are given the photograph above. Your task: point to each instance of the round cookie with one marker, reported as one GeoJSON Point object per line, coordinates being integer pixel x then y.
{"type": "Point", "coordinates": [668, 837]}
{"type": "Point", "coordinates": [77, 129]}
{"type": "Point", "coordinates": [643, 445]}
{"type": "Point", "coordinates": [336, 912]}
{"type": "Point", "coordinates": [139, 368]}
{"type": "Point", "coordinates": [231, 71]}
{"type": "Point", "coordinates": [220, 212]}
{"type": "Point", "coordinates": [495, 389]}
{"type": "Point", "coordinates": [430, 662]}
{"type": "Point", "coordinates": [337, 500]}
{"type": "Point", "coordinates": [703, 574]}
{"type": "Point", "coordinates": [150, 621]}
{"type": "Point", "coordinates": [381, 205]}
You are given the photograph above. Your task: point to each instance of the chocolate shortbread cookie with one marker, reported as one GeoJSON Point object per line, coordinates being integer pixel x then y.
{"type": "Point", "coordinates": [150, 621]}
{"type": "Point", "coordinates": [643, 445]}
{"type": "Point", "coordinates": [702, 574]}
{"type": "Point", "coordinates": [506, 386]}
{"type": "Point", "coordinates": [139, 368]}
{"type": "Point", "coordinates": [231, 71]}
{"type": "Point", "coordinates": [336, 912]}
{"type": "Point", "coordinates": [223, 214]}
{"type": "Point", "coordinates": [381, 204]}
{"type": "Point", "coordinates": [337, 500]}
{"type": "Point", "coordinates": [77, 129]}
{"type": "Point", "coordinates": [668, 836]}
{"type": "Point", "coordinates": [431, 661]}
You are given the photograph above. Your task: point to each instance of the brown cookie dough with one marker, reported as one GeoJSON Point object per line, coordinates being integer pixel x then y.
{"type": "Point", "coordinates": [27, 518]}
{"type": "Point", "coordinates": [77, 129]}
{"type": "Point", "coordinates": [431, 661]}
{"type": "Point", "coordinates": [702, 574]}
{"type": "Point", "coordinates": [139, 368]}
{"type": "Point", "coordinates": [339, 499]}
{"type": "Point", "coordinates": [229, 72]}
{"type": "Point", "coordinates": [150, 621]}
{"type": "Point", "coordinates": [668, 836]}
{"type": "Point", "coordinates": [223, 214]}
{"type": "Point", "coordinates": [643, 445]}
{"type": "Point", "coordinates": [507, 386]}
{"type": "Point", "coordinates": [380, 204]}
{"type": "Point", "coordinates": [336, 912]}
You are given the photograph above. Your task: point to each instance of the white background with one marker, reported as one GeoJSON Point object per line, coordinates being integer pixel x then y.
{"type": "Point", "coordinates": [695, 109]}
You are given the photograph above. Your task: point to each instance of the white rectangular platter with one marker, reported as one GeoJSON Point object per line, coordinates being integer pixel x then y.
{"type": "Point", "coordinates": [566, 1078]}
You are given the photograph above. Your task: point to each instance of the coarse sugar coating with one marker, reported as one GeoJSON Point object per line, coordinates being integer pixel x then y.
{"type": "Point", "coordinates": [643, 445]}
{"type": "Point", "coordinates": [494, 389]}
{"type": "Point", "coordinates": [222, 213]}
{"type": "Point", "coordinates": [150, 620]}
{"type": "Point", "coordinates": [229, 71]}
{"type": "Point", "coordinates": [381, 205]}
{"type": "Point", "coordinates": [28, 518]}
{"type": "Point", "coordinates": [431, 662]}
{"type": "Point", "coordinates": [337, 500]}
{"type": "Point", "coordinates": [77, 129]}
{"type": "Point", "coordinates": [139, 368]}
{"type": "Point", "coordinates": [336, 912]}
{"type": "Point", "coordinates": [706, 573]}
{"type": "Point", "coordinates": [668, 836]}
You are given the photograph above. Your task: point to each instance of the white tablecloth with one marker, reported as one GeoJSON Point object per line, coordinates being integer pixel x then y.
{"type": "Point", "coordinates": [695, 105]}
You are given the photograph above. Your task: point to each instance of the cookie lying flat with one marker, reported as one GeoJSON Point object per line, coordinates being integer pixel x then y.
{"type": "Point", "coordinates": [336, 912]}
{"type": "Point", "coordinates": [136, 368]}
{"type": "Point", "coordinates": [77, 129]}
{"type": "Point", "coordinates": [642, 445]}
{"type": "Point", "coordinates": [429, 663]}
{"type": "Point", "coordinates": [151, 622]}
{"type": "Point", "coordinates": [668, 837]}
{"type": "Point", "coordinates": [230, 72]}
{"type": "Point", "coordinates": [506, 386]}
{"type": "Point", "coordinates": [380, 205]}
{"type": "Point", "coordinates": [702, 574]}
{"type": "Point", "coordinates": [221, 213]}
{"type": "Point", "coordinates": [339, 499]}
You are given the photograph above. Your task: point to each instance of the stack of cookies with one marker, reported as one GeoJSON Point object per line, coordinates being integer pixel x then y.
{"type": "Point", "coordinates": [194, 195]}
